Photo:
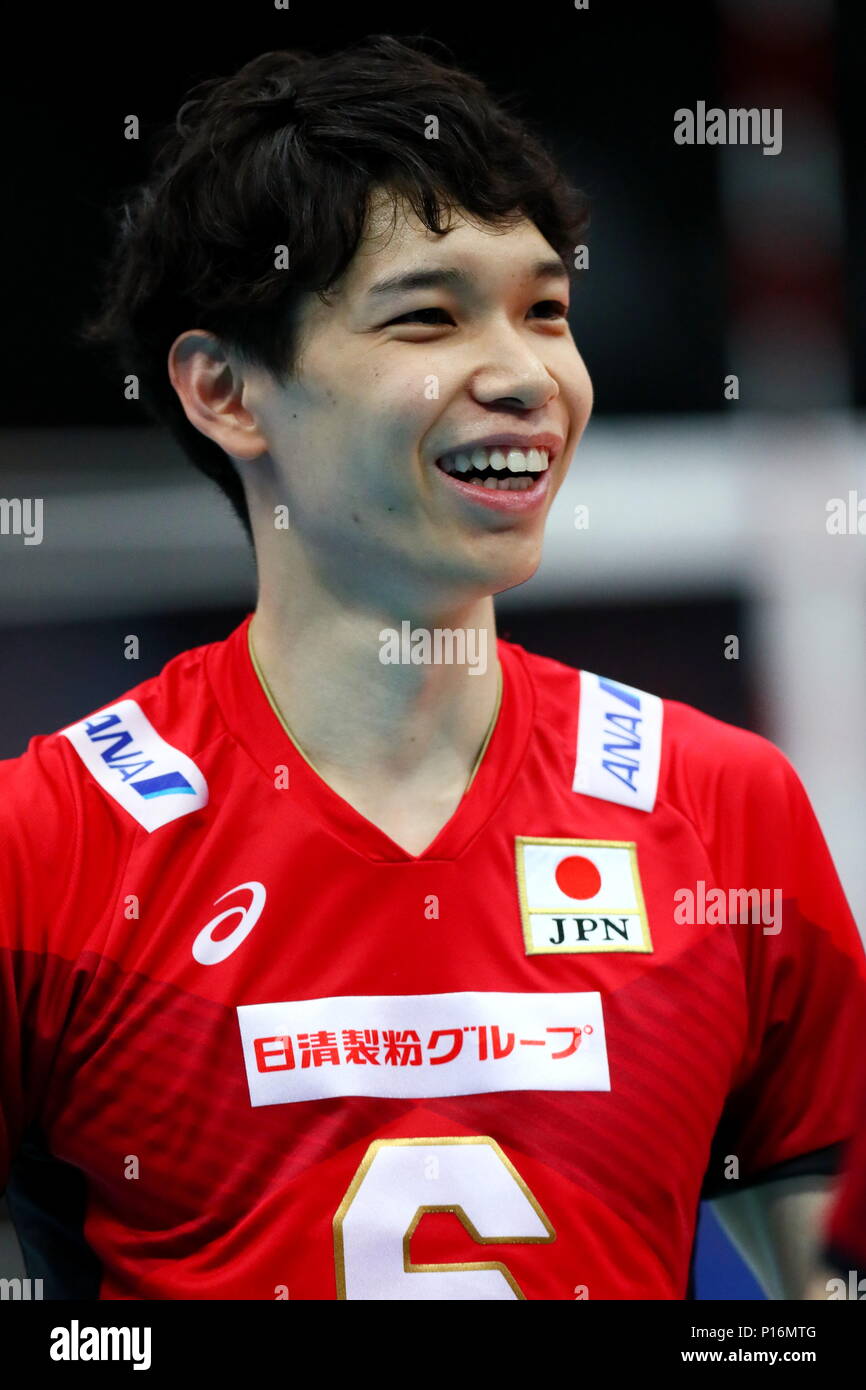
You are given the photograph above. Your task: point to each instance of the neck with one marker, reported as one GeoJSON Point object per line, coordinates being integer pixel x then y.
{"type": "Point", "coordinates": [368, 723]}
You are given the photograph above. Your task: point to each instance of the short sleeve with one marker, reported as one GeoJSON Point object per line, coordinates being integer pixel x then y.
{"type": "Point", "coordinates": [793, 1100]}
{"type": "Point", "coordinates": [39, 837]}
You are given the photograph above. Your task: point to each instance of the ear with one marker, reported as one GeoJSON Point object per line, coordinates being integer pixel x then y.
{"type": "Point", "coordinates": [210, 384]}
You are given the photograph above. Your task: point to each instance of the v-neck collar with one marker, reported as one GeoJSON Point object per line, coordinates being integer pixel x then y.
{"type": "Point", "coordinates": [254, 724]}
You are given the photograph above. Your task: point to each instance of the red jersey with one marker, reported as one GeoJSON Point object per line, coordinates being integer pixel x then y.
{"type": "Point", "coordinates": [250, 1048]}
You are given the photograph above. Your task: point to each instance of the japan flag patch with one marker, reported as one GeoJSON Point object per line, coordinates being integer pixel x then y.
{"type": "Point", "coordinates": [580, 896]}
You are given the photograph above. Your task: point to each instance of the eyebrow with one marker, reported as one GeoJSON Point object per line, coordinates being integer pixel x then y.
{"type": "Point", "coordinates": [449, 277]}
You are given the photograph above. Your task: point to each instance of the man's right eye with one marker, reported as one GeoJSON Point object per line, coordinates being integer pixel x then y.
{"type": "Point", "coordinates": [414, 313]}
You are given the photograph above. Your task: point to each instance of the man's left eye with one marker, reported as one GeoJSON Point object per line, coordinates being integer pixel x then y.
{"type": "Point", "coordinates": [555, 310]}
{"type": "Point", "coordinates": [559, 310]}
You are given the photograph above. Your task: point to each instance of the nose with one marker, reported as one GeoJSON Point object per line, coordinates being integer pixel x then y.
{"type": "Point", "coordinates": [512, 371]}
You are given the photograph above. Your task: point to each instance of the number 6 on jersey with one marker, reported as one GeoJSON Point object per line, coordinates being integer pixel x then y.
{"type": "Point", "coordinates": [398, 1181]}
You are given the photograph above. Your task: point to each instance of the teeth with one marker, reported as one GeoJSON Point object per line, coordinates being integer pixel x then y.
{"type": "Point", "coordinates": [486, 458]}
{"type": "Point", "coordinates": [516, 461]}
{"type": "Point", "coordinates": [506, 484]}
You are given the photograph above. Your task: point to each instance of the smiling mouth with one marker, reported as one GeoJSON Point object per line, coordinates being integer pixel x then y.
{"type": "Point", "coordinates": [498, 469]}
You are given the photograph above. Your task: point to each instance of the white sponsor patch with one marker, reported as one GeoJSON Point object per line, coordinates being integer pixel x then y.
{"type": "Point", "coordinates": [619, 742]}
{"type": "Point", "coordinates": [149, 778]}
{"type": "Point", "coordinates": [580, 896]}
{"type": "Point", "coordinates": [417, 1045]}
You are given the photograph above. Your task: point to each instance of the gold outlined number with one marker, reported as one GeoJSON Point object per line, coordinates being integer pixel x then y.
{"type": "Point", "coordinates": [391, 1192]}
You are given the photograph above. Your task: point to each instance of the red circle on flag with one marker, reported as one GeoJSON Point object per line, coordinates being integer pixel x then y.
{"type": "Point", "coordinates": [578, 877]}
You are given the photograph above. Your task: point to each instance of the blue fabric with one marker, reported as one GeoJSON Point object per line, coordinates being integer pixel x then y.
{"type": "Point", "coordinates": [719, 1270]}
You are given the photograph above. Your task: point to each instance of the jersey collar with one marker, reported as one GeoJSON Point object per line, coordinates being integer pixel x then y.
{"type": "Point", "coordinates": [254, 724]}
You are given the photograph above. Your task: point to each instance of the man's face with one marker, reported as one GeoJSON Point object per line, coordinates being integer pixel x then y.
{"type": "Point", "coordinates": [389, 381]}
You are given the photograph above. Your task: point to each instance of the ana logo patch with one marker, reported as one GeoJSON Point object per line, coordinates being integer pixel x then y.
{"type": "Point", "coordinates": [151, 779]}
{"type": "Point", "coordinates": [580, 895]}
{"type": "Point", "coordinates": [619, 742]}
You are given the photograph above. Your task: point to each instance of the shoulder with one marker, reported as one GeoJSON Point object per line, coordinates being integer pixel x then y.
{"type": "Point", "coordinates": [74, 804]}
{"type": "Point", "coordinates": [131, 760]}
{"type": "Point", "coordinates": [708, 760]}
{"type": "Point", "coordinates": [638, 748]}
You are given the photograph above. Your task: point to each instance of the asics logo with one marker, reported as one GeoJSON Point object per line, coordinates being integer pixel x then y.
{"type": "Point", "coordinates": [205, 949]}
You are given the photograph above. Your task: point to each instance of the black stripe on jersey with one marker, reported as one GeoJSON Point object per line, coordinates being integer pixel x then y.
{"type": "Point", "coordinates": [47, 1201]}
{"type": "Point", "coordinates": [824, 1162]}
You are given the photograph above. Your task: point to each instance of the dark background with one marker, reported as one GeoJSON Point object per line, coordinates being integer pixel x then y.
{"type": "Point", "coordinates": [599, 85]}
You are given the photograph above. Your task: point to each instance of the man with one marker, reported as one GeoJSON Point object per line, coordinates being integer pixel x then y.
{"type": "Point", "coordinates": [361, 973]}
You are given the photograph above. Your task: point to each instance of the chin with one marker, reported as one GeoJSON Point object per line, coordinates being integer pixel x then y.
{"type": "Point", "coordinates": [516, 573]}
{"type": "Point", "coordinates": [515, 563]}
